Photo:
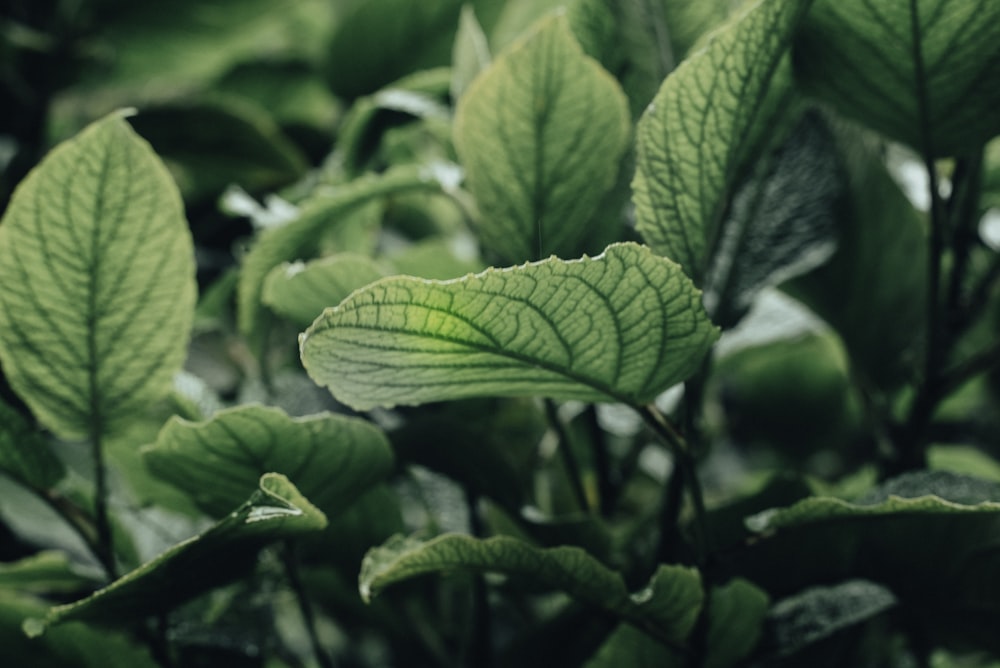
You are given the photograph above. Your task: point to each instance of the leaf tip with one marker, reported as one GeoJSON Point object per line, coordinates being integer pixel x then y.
{"type": "Point", "coordinates": [33, 627]}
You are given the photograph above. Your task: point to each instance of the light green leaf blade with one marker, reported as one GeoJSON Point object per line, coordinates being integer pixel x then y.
{"type": "Point", "coordinates": [470, 54]}
{"type": "Point", "coordinates": [25, 454]}
{"type": "Point", "coordinates": [540, 134]}
{"type": "Point", "coordinates": [224, 552]}
{"type": "Point", "coordinates": [97, 286]}
{"type": "Point", "coordinates": [293, 241]}
{"type": "Point", "coordinates": [332, 459]}
{"type": "Point", "coordinates": [859, 57]}
{"type": "Point", "coordinates": [622, 326]}
{"type": "Point", "coordinates": [45, 572]}
{"type": "Point", "coordinates": [668, 607]}
{"type": "Point", "coordinates": [300, 291]}
{"type": "Point", "coordinates": [693, 135]}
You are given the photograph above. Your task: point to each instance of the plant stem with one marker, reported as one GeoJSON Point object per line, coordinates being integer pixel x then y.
{"type": "Point", "coordinates": [291, 564]}
{"type": "Point", "coordinates": [573, 472]}
{"type": "Point", "coordinates": [684, 460]}
{"type": "Point", "coordinates": [104, 546]}
{"type": "Point", "coordinates": [607, 489]}
{"type": "Point", "coordinates": [480, 651]}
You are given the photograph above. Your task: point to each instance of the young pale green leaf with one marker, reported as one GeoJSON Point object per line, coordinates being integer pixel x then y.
{"type": "Point", "coordinates": [623, 326]}
{"type": "Point", "coordinates": [667, 608]}
{"type": "Point", "coordinates": [300, 291]}
{"type": "Point", "coordinates": [471, 53]}
{"type": "Point", "coordinates": [25, 454]}
{"type": "Point", "coordinates": [292, 241]}
{"type": "Point", "coordinates": [859, 56]}
{"type": "Point", "coordinates": [332, 459]}
{"type": "Point", "coordinates": [540, 134]}
{"type": "Point", "coordinates": [97, 286]}
{"type": "Point", "coordinates": [224, 552]}
{"type": "Point", "coordinates": [46, 572]}
{"type": "Point", "coordinates": [692, 136]}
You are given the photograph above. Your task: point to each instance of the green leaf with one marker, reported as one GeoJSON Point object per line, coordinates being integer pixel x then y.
{"type": "Point", "coordinates": [252, 151]}
{"type": "Point", "coordinates": [668, 607]}
{"type": "Point", "coordinates": [45, 572]}
{"type": "Point", "coordinates": [781, 223]}
{"type": "Point", "coordinates": [25, 454]}
{"type": "Point", "coordinates": [935, 548]}
{"type": "Point", "coordinates": [434, 258]}
{"type": "Point", "coordinates": [411, 36]}
{"type": "Point", "coordinates": [623, 326]}
{"type": "Point", "coordinates": [97, 285]}
{"type": "Point", "coordinates": [736, 621]}
{"type": "Point", "coordinates": [859, 57]}
{"type": "Point", "coordinates": [331, 458]}
{"type": "Point", "coordinates": [470, 54]}
{"type": "Point", "coordinates": [819, 612]}
{"type": "Point", "coordinates": [540, 134]}
{"type": "Point", "coordinates": [226, 551]}
{"type": "Point", "coordinates": [293, 241]}
{"type": "Point", "coordinates": [693, 136]}
{"type": "Point", "coordinates": [300, 291]}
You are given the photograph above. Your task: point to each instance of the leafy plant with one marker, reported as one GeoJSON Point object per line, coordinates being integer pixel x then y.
{"type": "Point", "coordinates": [646, 333]}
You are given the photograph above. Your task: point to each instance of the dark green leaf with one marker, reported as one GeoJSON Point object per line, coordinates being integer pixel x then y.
{"type": "Point", "coordinates": [623, 326]}
{"type": "Point", "coordinates": [859, 57]}
{"type": "Point", "coordinates": [25, 455]}
{"type": "Point", "coordinates": [540, 134]}
{"type": "Point", "coordinates": [694, 134]}
{"type": "Point", "coordinates": [668, 607]}
{"type": "Point", "coordinates": [736, 620]}
{"type": "Point", "coordinates": [224, 552]}
{"type": "Point", "coordinates": [331, 458]}
{"type": "Point", "coordinates": [97, 285]}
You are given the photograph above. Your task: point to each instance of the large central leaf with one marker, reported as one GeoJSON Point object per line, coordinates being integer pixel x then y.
{"type": "Point", "coordinates": [540, 133]}
{"type": "Point", "coordinates": [693, 135]}
{"type": "Point", "coordinates": [97, 282]}
{"type": "Point", "coordinates": [623, 326]}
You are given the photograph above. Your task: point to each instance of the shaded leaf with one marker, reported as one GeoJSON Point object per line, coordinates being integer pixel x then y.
{"type": "Point", "coordinates": [693, 135]}
{"type": "Point", "coordinates": [819, 612]}
{"type": "Point", "coordinates": [97, 282]}
{"type": "Point", "coordinates": [667, 608]}
{"type": "Point", "coordinates": [45, 572]}
{"type": "Point", "coordinates": [224, 552]}
{"type": "Point", "coordinates": [736, 621]}
{"type": "Point", "coordinates": [300, 291]}
{"type": "Point", "coordinates": [293, 240]}
{"type": "Point", "coordinates": [25, 454]}
{"type": "Point", "coordinates": [216, 142]}
{"type": "Point", "coordinates": [623, 326]}
{"type": "Point", "coordinates": [781, 225]}
{"type": "Point", "coordinates": [875, 44]}
{"type": "Point", "coordinates": [540, 134]}
{"type": "Point", "coordinates": [331, 458]}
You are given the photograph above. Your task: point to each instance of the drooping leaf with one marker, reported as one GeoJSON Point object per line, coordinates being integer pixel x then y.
{"type": "Point", "coordinates": [623, 326]}
{"type": "Point", "coordinates": [213, 143]}
{"type": "Point", "coordinates": [224, 552]}
{"type": "Point", "coordinates": [781, 224]}
{"type": "Point", "coordinates": [860, 57]}
{"type": "Point", "coordinates": [25, 454]}
{"type": "Point", "coordinates": [937, 556]}
{"type": "Point", "coordinates": [540, 134]}
{"type": "Point", "coordinates": [819, 612]}
{"type": "Point", "coordinates": [695, 132]}
{"type": "Point", "coordinates": [668, 607]}
{"type": "Point", "coordinates": [292, 241]}
{"type": "Point", "coordinates": [471, 53]}
{"type": "Point", "coordinates": [45, 572]}
{"type": "Point", "coordinates": [97, 285]}
{"type": "Point", "coordinates": [331, 458]}
{"type": "Point", "coordinates": [300, 291]}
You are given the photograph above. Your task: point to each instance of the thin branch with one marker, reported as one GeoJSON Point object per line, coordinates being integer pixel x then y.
{"type": "Point", "coordinates": [573, 471]}
{"type": "Point", "coordinates": [291, 564]}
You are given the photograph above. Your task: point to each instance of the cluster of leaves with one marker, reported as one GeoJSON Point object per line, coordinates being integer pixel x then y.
{"type": "Point", "coordinates": [634, 333]}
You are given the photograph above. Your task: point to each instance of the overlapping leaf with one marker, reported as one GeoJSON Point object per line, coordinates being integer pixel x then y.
{"type": "Point", "coordinates": [25, 454]}
{"type": "Point", "coordinates": [860, 57]}
{"type": "Point", "coordinates": [332, 459]}
{"type": "Point", "coordinates": [623, 326]}
{"type": "Point", "coordinates": [668, 608]}
{"type": "Point", "coordinates": [221, 554]}
{"type": "Point", "coordinates": [540, 134]}
{"type": "Point", "coordinates": [97, 282]}
{"type": "Point", "coordinates": [693, 135]}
